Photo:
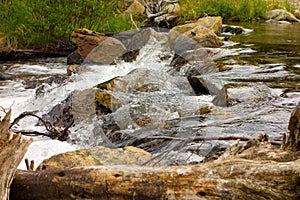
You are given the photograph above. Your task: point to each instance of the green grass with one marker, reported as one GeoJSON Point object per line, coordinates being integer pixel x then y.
{"type": "Point", "coordinates": [46, 24]}
{"type": "Point", "coordinates": [49, 23]}
{"type": "Point", "coordinates": [240, 10]}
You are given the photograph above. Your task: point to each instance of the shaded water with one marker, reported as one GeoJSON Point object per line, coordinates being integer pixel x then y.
{"type": "Point", "coordinates": [263, 84]}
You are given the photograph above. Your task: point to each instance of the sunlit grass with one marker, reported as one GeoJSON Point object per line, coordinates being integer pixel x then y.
{"type": "Point", "coordinates": [48, 23]}
{"type": "Point", "coordinates": [240, 10]}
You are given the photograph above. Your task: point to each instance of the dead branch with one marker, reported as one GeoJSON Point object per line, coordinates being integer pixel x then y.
{"type": "Point", "coordinates": [154, 15]}
{"type": "Point", "coordinates": [53, 131]}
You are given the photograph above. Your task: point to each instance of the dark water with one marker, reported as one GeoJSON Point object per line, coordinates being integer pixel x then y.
{"type": "Point", "coordinates": [274, 43]}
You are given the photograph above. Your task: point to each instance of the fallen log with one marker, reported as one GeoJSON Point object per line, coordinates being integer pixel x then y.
{"type": "Point", "coordinates": [12, 149]}
{"type": "Point", "coordinates": [255, 170]}
{"type": "Point", "coordinates": [230, 179]}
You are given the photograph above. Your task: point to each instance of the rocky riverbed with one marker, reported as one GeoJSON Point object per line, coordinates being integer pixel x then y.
{"type": "Point", "coordinates": [170, 95]}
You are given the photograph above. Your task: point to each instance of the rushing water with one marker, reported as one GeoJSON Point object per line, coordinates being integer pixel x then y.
{"type": "Point", "coordinates": [263, 82]}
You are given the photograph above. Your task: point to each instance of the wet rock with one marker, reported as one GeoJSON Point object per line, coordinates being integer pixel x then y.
{"type": "Point", "coordinates": [204, 110]}
{"type": "Point", "coordinates": [212, 23]}
{"type": "Point", "coordinates": [281, 15]}
{"type": "Point", "coordinates": [98, 155]}
{"type": "Point", "coordinates": [105, 102]}
{"type": "Point", "coordinates": [197, 86]}
{"type": "Point", "coordinates": [109, 124]}
{"type": "Point", "coordinates": [61, 114]}
{"type": "Point", "coordinates": [82, 105]}
{"type": "Point", "coordinates": [142, 80]}
{"type": "Point", "coordinates": [250, 95]}
{"type": "Point", "coordinates": [107, 52]}
{"type": "Point", "coordinates": [74, 58]}
{"type": "Point", "coordinates": [4, 76]}
{"type": "Point", "coordinates": [126, 38]}
{"type": "Point", "coordinates": [205, 36]}
{"type": "Point", "coordinates": [221, 99]}
{"type": "Point", "coordinates": [86, 40]}
{"type": "Point", "coordinates": [194, 62]}
{"type": "Point", "coordinates": [45, 86]}
{"type": "Point", "coordinates": [144, 36]}
{"type": "Point", "coordinates": [91, 102]}
{"type": "Point", "coordinates": [73, 69]}
{"type": "Point", "coordinates": [232, 30]}
{"type": "Point", "coordinates": [205, 85]}
{"type": "Point", "coordinates": [224, 99]}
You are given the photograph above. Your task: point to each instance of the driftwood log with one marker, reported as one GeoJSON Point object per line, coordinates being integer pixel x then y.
{"type": "Point", "coordinates": [12, 149]}
{"type": "Point", "coordinates": [255, 170]}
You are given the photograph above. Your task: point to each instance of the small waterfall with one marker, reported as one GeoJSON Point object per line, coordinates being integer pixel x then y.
{"type": "Point", "coordinates": [162, 116]}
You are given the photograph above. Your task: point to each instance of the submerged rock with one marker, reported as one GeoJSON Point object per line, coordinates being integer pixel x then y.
{"type": "Point", "coordinates": [4, 76]}
{"type": "Point", "coordinates": [98, 155]}
{"type": "Point", "coordinates": [142, 80]}
{"type": "Point", "coordinates": [232, 30]}
{"type": "Point", "coordinates": [231, 95]}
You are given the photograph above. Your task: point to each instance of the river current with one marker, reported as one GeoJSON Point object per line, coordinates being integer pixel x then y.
{"type": "Point", "coordinates": [262, 78]}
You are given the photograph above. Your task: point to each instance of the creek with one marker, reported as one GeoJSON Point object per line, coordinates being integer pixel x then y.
{"type": "Point", "coordinates": [262, 78]}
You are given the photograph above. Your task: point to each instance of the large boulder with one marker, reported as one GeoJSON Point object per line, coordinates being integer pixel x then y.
{"type": "Point", "coordinates": [86, 41]}
{"type": "Point", "coordinates": [94, 47]}
{"type": "Point", "coordinates": [193, 62]}
{"type": "Point", "coordinates": [98, 155]}
{"type": "Point", "coordinates": [194, 31]}
{"type": "Point", "coordinates": [144, 36]}
{"type": "Point", "coordinates": [213, 23]}
{"type": "Point", "coordinates": [281, 15]}
{"type": "Point", "coordinates": [107, 52]}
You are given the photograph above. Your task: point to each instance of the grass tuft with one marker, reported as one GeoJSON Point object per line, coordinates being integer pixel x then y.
{"type": "Point", "coordinates": [240, 10]}
{"type": "Point", "coordinates": [49, 23]}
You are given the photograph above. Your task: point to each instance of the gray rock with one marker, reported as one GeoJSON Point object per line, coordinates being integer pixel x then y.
{"type": "Point", "coordinates": [4, 76]}
{"type": "Point", "coordinates": [281, 15]}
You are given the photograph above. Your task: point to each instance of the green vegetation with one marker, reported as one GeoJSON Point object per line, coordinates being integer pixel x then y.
{"type": "Point", "coordinates": [46, 24]}
{"type": "Point", "coordinates": [49, 23]}
{"type": "Point", "coordinates": [241, 10]}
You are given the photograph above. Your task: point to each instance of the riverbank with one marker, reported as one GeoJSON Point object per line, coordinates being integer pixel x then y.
{"type": "Point", "coordinates": [52, 34]}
